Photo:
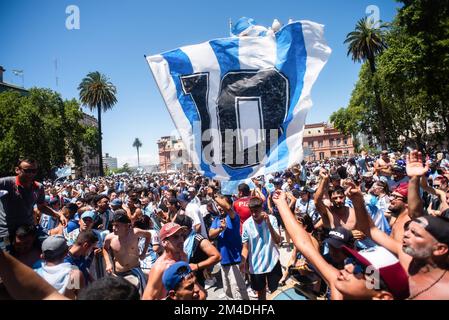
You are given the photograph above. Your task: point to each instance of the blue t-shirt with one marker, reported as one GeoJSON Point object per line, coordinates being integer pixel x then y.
{"type": "Point", "coordinates": [82, 263]}
{"type": "Point", "coordinates": [72, 225]}
{"type": "Point", "coordinates": [229, 242]}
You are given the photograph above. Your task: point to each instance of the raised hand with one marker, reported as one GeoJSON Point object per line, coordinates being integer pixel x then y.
{"type": "Point", "coordinates": [415, 167]}
{"type": "Point", "coordinates": [324, 174]}
{"type": "Point", "coordinates": [279, 197]}
{"type": "Point", "coordinates": [351, 189]}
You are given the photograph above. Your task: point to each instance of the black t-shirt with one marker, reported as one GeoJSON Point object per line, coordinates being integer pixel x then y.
{"type": "Point", "coordinates": [198, 255]}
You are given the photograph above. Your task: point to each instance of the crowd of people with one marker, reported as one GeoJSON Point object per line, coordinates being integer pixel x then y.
{"type": "Point", "coordinates": [366, 227]}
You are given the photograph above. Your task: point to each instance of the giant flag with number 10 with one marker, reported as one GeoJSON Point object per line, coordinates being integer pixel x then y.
{"type": "Point", "coordinates": [240, 103]}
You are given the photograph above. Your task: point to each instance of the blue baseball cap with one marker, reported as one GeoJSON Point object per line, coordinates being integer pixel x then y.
{"type": "Point", "coordinates": [173, 276]}
{"type": "Point", "coordinates": [116, 202]}
{"type": "Point", "coordinates": [88, 214]}
{"type": "Point", "coordinates": [182, 198]}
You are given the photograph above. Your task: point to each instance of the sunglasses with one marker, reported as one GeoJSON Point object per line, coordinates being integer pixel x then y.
{"type": "Point", "coordinates": [437, 186]}
{"type": "Point", "coordinates": [28, 170]}
{"type": "Point", "coordinates": [396, 197]}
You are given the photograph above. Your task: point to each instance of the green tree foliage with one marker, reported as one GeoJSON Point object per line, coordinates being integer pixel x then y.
{"type": "Point", "coordinates": [366, 43]}
{"type": "Point", "coordinates": [42, 126]}
{"type": "Point", "coordinates": [412, 77]}
{"type": "Point", "coordinates": [124, 169]}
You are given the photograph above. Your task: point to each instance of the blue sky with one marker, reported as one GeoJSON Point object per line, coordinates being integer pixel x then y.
{"type": "Point", "coordinates": [114, 36]}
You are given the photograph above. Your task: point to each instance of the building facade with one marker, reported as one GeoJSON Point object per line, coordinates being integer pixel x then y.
{"type": "Point", "coordinates": [91, 161]}
{"type": "Point", "coordinates": [173, 154]}
{"type": "Point", "coordinates": [322, 141]}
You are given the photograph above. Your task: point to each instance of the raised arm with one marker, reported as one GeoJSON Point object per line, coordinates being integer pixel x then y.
{"type": "Point", "coordinates": [301, 240]}
{"type": "Point", "coordinates": [365, 224]}
{"type": "Point", "coordinates": [324, 212]}
{"type": "Point", "coordinates": [415, 170]}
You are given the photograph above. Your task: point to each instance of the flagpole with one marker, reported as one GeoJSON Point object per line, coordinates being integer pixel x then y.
{"type": "Point", "coordinates": [230, 26]}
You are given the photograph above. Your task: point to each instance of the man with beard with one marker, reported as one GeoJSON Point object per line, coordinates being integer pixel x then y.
{"type": "Point", "coordinates": [338, 214]}
{"type": "Point", "coordinates": [352, 281]}
{"type": "Point", "coordinates": [424, 249]}
{"type": "Point", "coordinates": [399, 211]}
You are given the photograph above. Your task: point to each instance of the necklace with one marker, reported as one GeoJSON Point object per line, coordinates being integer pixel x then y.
{"type": "Point", "coordinates": [429, 287]}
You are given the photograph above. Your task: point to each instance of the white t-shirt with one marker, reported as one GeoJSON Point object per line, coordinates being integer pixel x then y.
{"type": "Point", "coordinates": [193, 211]}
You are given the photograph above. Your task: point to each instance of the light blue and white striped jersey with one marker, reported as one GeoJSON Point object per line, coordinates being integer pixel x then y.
{"type": "Point", "coordinates": [151, 256]}
{"type": "Point", "coordinates": [263, 252]}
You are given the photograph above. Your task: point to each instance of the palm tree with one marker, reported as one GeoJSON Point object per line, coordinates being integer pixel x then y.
{"type": "Point", "coordinates": [366, 42]}
{"type": "Point", "coordinates": [97, 92]}
{"type": "Point", "coordinates": [137, 144]}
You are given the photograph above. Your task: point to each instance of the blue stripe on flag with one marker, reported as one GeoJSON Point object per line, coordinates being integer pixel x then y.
{"type": "Point", "coordinates": [180, 65]}
{"type": "Point", "coordinates": [227, 53]}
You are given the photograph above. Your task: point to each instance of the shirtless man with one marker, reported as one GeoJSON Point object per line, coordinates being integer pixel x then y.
{"type": "Point", "coordinates": [123, 245]}
{"type": "Point", "coordinates": [383, 167]}
{"type": "Point", "coordinates": [424, 249]}
{"type": "Point", "coordinates": [337, 214]}
{"type": "Point", "coordinates": [171, 236]}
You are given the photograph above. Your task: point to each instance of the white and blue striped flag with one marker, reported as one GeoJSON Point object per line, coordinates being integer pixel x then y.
{"type": "Point", "coordinates": [240, 103]}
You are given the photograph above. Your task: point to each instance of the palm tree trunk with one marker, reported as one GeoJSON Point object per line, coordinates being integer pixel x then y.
{"type": "Point", "coordinates": [100, 147]}
{"type": "Point", "coordinates": [379, 107]}
{"type": "Point", "coordinates": [138, 158]}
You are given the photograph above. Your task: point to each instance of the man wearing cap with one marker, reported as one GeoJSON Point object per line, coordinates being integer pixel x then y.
{"type": "Point", "coordinates": [305, 205]}
{"type": "Point", "coordinates": [123, 246]}
{"type": "Point", "coordinates": [336, 239]}
{"type": "Point", "coordinates": [193, 211]}
{"type": "Point", "coordinates": [180, 283]}
{"type": "Point", "coordinates": [63, 276]}
{"type": "Point", "coordinates": [424, 249]}
{"type": "Point", "coordinates": [172, 240]}
{"type": "Point", "coordinates": [399, 176]}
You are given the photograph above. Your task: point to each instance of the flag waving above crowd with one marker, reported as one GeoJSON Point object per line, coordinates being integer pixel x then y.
{"type": "Point", "coordinates": [240, 103]}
